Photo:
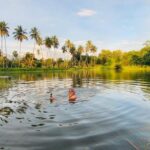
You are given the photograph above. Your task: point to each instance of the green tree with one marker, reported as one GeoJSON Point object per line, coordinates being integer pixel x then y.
{"type": "Point", "coordinates": [55, 44]}
{"type": "Point", "coordinates": [20, 34]}
{"type": "Point", "coordinates": [105, 57]}
{"type": "Point", "coordinates": [27, 60]}
{"type": "Point", "coordinates": [88, 48]}
{"type": "Point", "coordinates": [15, 58]}
{"type": "Point", "coordinates": [4, 33]}
{"type": "Point", "coordinates": [93, 51]}
{"type": "Point", "coordinates": [40, 43]}
{"type": "Point", "coordinates": [35, 35]}
{"type": "Point", "coordinates": [70, 47]}
{"type": "Point", "coordinates": [48, 43]}
{"type": "Point", "coordinates": [80, 50]}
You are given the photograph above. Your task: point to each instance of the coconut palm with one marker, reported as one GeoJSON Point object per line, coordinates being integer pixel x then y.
{"type": "Point", "coordinates": [64, 49]}
{"type": "Point", "coordinates": [68, 44]}
{"type": "Point", "coordinates": [89, 46]}
{"type": "Point", "coordinates": [40, 43]}
{"type": "Point", "coordinates": [20, 34]}
{"type": "Point", "coordinates": [34, 34]}
{"type": "Point", "coordinates": [69, 47]}
{"type": "Point", "coordinates": [48, 42]}
{"type": "Point", "coordinates": [80, 50]}
{"type": "Point", "coordinates": [55, 42]}
{"type": "Point", "coordinates": [93, 51]}
{"type": "Point", "coordinates": [4, 33]}
{"type": "Point", "coordinates": [15, 55]}
{"type": "Point", "coordinates": [72, 51]}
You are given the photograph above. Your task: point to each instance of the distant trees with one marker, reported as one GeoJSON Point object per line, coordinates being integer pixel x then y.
{"type": "Point", "coordinates": [141, 57]}
{"type": "Point", "coordinates": [81, 55]}
{"type": "Point", "coordinates": [80, 51]}
{"type": "Point", "coordinates": [27, 60]}
{"type": "Point", "coordinates": [20, 34]}
{"type": "Point", "coordinates": [70, 48]}
{"type": "Point", "coordinates": [4, 33]}
{"type": "Point", "coordinates": [35, 35]}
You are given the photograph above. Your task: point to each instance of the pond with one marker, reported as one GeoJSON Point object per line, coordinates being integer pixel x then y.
{"type": "Point", "coordinates": [112, 111]}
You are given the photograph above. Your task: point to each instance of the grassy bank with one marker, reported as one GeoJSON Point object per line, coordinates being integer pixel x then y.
{"type": "Point", "coordinates": [95, 68]}
{"type": "Point", "coordinates": [17, 70]}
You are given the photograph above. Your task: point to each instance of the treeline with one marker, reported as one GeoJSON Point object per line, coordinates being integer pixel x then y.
{"type": "Point", "coordinates": [51, 43]}
{"type": "Point", "coordinates": [81, 55]}
{"type": "Point", "coordinates": [141, 57]}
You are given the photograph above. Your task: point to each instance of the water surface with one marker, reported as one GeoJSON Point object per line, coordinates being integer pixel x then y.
{"type": "Point", "coordinates": [112, 111]}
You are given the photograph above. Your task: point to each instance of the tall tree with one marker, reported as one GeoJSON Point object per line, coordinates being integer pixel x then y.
{"type": "Point", "coordinates": [55, 44]}
{"type": "Point", "coordinates": [20, 34]}
{"type": "Point", "coordinates": [34, 34]}
{"type": "Point", "coordinates": [48, 42]}
{"type": "Point", "coordinates": [88, 48]}
{"type": "Point", "coordinates": [40, 43]}
{"type": "Point", "coordinates": [70, 47]}
{"type": "Point", "coordinates": [93, 51]}
{"type": "Point", "coordinates": [80, 50]}
{"type": "Point", "coordinates": [4, 33]}
{"type": "Point", "coordinates": [15, 56]}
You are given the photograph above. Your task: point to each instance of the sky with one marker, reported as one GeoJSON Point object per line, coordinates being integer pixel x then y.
{"type": "Point", "coordinates": [110, 24]}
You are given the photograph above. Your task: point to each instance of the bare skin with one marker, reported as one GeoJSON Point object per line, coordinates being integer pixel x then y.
{"type": "Point", "coordinates": [72, 95]}
{"type": "Point", "coordinates": [52, 99]}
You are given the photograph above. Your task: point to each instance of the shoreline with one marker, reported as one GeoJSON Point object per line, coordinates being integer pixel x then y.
{"type": "Point", "coordinates": [96, 68]}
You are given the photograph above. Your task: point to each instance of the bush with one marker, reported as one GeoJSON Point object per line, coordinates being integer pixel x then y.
{"type": "Point", "coordinates": [118, 67]}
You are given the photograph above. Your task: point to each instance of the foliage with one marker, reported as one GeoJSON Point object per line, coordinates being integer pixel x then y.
{"type": "Point", "coordinates": [82, 56]}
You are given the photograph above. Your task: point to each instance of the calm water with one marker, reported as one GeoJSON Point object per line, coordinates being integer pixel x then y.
{"type": "Point", "coordinates": [112, 111]}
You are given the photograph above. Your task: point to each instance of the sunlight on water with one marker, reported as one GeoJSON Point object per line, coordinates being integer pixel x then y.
{"type": "Point", "coordinates": [112, 111]}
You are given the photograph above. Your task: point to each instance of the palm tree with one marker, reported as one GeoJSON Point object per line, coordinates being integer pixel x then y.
{"type": "Point", "coordinates": [93, 50]}
{"type": "Point", "coordinates": [55, 44]}
{"type": "Point", "coordinates": [88, 48]}
{"type": "Point", "coordinates": [48, 42]}
{"type": "Point", "coordinates": [20, 34]}
{"type": "Point", "coordinates": [68, 44]}
{"type": "Point", "coordinates": [55, 41]}
{"type": "Point", "coordinates": [34, 34]}
{"type": "Point", "coordinates": [72, 51]}
{"type": "Point", "coordinates": [80, 50]}
{"type": "Point", "coordinates": [15, 56]}
{"type": "Point", "coordinates": [40, 43]}
{"type": "Point", "coordinates": [64, 49]}
{"type": "Point", "coordinates": [69, 47]}
{"type": "Point", "coordinates": [4, 33]}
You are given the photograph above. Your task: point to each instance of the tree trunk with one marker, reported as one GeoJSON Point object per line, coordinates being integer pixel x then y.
{"type": "Point", "coordinates": [94, 60]}
{"type": "Point", "coordinates": [34, 46]}
{"type": "Point", "coordinates": [80, 60]}
{"type": "Point", "coordinates": [2, 51]}
{"type": "Point", "coordinates": [5, 52]}
{"type": "Point", "coordinates": [53, 58]}
{"type": "Point", "coordinates": [86, 59]}
{"type": "Point", "coordinates": [19, 54]}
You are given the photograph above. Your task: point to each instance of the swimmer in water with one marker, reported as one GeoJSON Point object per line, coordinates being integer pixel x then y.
{"type": "Point", "coordinates": [52, 99]}
{"type": "Point", "coordinates": [72, 95]}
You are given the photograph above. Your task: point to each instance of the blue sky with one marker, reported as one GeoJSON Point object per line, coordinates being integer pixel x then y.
{"type": "Point", "coordinates": [110, 24]}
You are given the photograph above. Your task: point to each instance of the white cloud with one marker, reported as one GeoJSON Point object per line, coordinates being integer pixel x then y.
{"type": "Point", "coordinates": [86, 13]}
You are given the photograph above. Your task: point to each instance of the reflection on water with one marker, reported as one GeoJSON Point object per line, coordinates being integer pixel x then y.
{"type": "Point", "coordinates": [112, 111]}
